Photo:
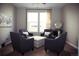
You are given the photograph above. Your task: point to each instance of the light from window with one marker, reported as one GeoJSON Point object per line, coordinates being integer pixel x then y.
{"type": "Point", "coordinates": [32, 21]}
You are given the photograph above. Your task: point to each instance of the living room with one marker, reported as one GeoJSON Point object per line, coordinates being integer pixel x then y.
{"type": "Point", "coordinates": [57, 15]}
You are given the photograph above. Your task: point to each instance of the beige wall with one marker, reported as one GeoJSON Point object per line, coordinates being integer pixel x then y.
{"type": "Point", "coordinates": [20, 18]}
{"type": "Point", "coordinates": [71, 24]}
{"type": "Point", "coordinates": [78, 32]}
{"type": "Point", "coordinates": [8, 10]}
{"type": "Point", "coordinates": [56, 16]}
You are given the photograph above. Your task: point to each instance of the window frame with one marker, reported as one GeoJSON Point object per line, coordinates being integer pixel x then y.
{"type": "Point", "coordinates": [38, 11]}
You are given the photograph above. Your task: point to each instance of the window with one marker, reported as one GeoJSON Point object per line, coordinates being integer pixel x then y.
{"type": "Point", "coordinates": [37, 21]}
{"type": "Point", "coordinates": [44, 21]}
{"type": "Point", "coordinates": [32, 21]}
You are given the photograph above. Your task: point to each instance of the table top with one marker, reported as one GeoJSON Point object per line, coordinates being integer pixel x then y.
{"type": "Point", "coordinates": [38, 37]}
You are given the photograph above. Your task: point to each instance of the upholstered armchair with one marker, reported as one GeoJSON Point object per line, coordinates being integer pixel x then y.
{"type": "Point", "coordinates": [20, 43]}
{"type": "Point", "coordinates": [57, 44]}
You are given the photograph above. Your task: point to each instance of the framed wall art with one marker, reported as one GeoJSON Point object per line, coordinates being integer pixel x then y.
{"type": "Point", "coordinates": [5, 21]}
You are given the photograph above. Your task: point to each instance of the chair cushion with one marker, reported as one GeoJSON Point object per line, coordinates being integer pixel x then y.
{"type": "Point", "coordinates": [55, 33]}
{"type": "Point", "coordinates": [47, 33]}
{"type": "Point", "coordinates": [57, 37]}
{"type": "Point", "coordinates": [26, 33]}
{"type": "Point", "coordinates": [52, 36]}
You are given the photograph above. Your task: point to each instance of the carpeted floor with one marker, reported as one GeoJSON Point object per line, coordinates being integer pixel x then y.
{"type": "Point", "coordinates": [8, 51]}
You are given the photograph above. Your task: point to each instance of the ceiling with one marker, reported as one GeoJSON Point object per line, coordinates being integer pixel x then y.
{"type": "Point", "coordinates": [39, 5]}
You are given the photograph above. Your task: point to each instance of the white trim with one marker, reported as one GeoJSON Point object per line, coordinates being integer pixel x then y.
{"type": "Point", "coordinates": [71, 44]}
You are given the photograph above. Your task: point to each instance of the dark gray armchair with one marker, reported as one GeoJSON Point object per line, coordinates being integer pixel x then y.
{"type": "Point", "coordinates": [20, 43]}
{"type": "Point", "coordinates": [56, 44]}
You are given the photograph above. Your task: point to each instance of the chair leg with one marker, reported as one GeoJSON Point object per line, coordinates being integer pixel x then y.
{"type": "Point", "coordinates": [58, 53]}
{"type": "Point", "coordinates": [45, 50]}
{"type": "Point", "coordinates": [32, 49]}
{"type": "Point", "coordinates": [22, 54]}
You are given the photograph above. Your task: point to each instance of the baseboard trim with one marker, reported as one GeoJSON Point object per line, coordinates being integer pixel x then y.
{"type": "Point", "coordinates": [74, 46]}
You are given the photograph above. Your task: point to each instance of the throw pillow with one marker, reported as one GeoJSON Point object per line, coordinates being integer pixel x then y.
{"type": "Point", "coordinates": [57, 37]}
{"type": "Point", "coordinates": [47, 33]}
{"type": "Point", "coordinates": [26, 33]}
{"type": "Point", "coordinates": [59, 33]}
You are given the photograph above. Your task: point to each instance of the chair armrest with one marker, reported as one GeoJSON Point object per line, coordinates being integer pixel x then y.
{"type": "Point", "coordinates": [30, 34]}
{"type": "Point", "coordinates": [25, 38]}
{"type": "Point", "coordinates": [23, 35]}
{"type": "Point", "coordinates": [42, 34]}
{"type": "Point", "coordinates": [27, 42]}
{"type": "Point", "coordinates": [57, 37]}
